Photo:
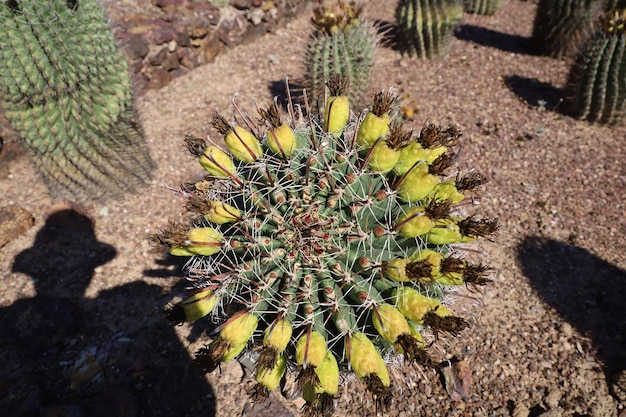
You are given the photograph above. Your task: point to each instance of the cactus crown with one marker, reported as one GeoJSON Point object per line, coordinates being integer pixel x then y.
{"type": "Point", "coordinates": [336, 17]}
{"type": "Point", "coordinates": [328, 253]}
{"type": "Point", "coordinates": [614, 22]}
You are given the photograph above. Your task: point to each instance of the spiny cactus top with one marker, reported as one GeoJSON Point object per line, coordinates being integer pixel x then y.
{"type": "Point", "coordinates": [65, 87]}
{"type": "Point", "coordinates": [342, 42]}
{"type": "Point", "coordinates": [331, 244]}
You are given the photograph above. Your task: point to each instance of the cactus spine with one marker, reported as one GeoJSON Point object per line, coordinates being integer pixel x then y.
{"type": "Point", "coordinates": [562, 26]}
{"type": "Point", "coordinates": [597, 81]}
{"type": "Point", "coordinates": [65, 87]}
{"type": "Point", "coordinates": [486, 7]}
{"type": "Point", "coordinates": [325, 254]}
{"type": "Point", "coordinates": [426, 26]}
{"type": "Point", "coordinates": [343, 43]}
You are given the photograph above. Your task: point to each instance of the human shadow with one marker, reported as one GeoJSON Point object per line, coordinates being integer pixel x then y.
{"type": "Point", "coordinates": [587, 291]}
{"type": "Point", "coordinates": [112, 355]}
{"type": "Point", "coordinates": [536, 93]}
{"type": "Point", "coordinates": [493, 39]}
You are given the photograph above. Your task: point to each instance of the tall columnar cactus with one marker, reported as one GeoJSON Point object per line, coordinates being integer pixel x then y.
{"type": "Point", "coordinates": [596, 88]}
{"type": "Point", "coordinates": [342, 42]}
{"type": "Point", "coordinates": [426, 26]}
{"type": "Point", "coordinates": [331, 244]}
{"type": "Point", "coordinates": [486, 7]}
{"type": "Point", "coordinates": [65, 87]}
{"type": "Point", "coordinates": [562, 26]}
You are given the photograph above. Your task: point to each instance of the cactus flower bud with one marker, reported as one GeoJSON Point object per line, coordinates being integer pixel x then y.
{"type": "Point", "coordinates": [203, 241]}
{"type": "Point", "coordinates": [365, 359]}
{"type": "Point", "coordinates": [217, 162]}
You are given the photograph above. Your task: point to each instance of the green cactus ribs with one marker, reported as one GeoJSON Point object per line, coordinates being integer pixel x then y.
{"type": "Point", "coordinates": [332, 242]}
{"type": "Point", "coordinates": [596, 85]}
{"type": "Point", "coordinates": [65, 87]}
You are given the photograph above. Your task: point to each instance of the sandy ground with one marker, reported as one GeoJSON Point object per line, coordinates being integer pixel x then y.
{"type": "Point", "coordinates": [547, 336]}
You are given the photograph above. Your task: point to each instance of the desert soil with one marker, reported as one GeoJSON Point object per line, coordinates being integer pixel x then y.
{"type": "Point", "coordinates": [547, 336]}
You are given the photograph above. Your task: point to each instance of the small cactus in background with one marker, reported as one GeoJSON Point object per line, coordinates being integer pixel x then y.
{"type": "Point", "coordinates": [486, 7]}
{"type": "Point", "coordinates": [343, 43]}
{"type": "Point", "coordinates": [65, 87]}
{"type": "Point", "coordinates": [596, 88]}
{"type": "Point", "coordinates": [331, 244]}
{"type": "Point", "coordinates": [426, 26]}
{"type": "Point", "coordinates": [562, 26]}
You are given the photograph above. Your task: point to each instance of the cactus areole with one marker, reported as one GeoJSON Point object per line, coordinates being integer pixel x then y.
{"type": "Point", "coordinates": [320, 246]}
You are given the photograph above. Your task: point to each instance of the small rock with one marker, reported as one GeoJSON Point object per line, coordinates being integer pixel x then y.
{"type": "Point", "coordinates": [520, 410]}
{"type": "Point", "coordinates": [14, 222]}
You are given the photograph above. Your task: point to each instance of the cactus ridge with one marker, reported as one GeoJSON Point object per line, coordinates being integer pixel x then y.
{"type": "Point", "coordinates": [318, 247]}
{"type": "Point", "coordinates": [485, 7]}
{"type": "Point", "coordinates": [66, 89]}
{"type": "Point", "coordinates": [426, 26]}
{"type": "Point", "coordinates": [342, 42]}
{"type": "Point", "coordinates": [597, 81]}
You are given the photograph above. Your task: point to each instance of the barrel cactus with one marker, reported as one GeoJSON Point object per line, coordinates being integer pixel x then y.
{"type": "Point", "coordinates": [342, 42]}
{"type": "Point", "coordinates": [426, 26]}
{"type": "Point", "coordinates": [331, 245]}
{"type": "Point", "coordinates": [562, 26]}
{"type": "Point", "coordinates": [486, 7]}
{"type": "Point", "coordinates": [65, 87]}
{"type": "Point", "coordinates": [596, 88]}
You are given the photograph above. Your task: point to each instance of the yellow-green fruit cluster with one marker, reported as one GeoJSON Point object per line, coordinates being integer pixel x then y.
{"type": "Point", "coordinates": [332, 244]}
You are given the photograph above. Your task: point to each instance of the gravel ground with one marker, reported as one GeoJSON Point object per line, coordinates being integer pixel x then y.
{"type": "Point", "coordinates": [547, 336]}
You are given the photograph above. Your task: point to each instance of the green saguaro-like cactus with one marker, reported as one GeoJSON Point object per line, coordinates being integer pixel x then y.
{"type": "Point", "coordinates": [331, 244]}
{"type": "Point", "coordinates": [596, 88]}
{"type": "Point", "coordinates": [342, 42]}
{"type": "Point", "coordinates": [65, 87]}
{"type": "Point", "coordinates": [426, 26]}
{"type": "Point", "coordinates": [562, 26]}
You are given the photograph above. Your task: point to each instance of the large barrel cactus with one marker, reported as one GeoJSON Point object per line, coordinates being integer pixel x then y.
{"type": "Point", "coordinates": [65, 87]}
{"type": "Point", "coordinates": [562, 26]}
{"type": "Point", "coordinates": [426, 26]}
{"type": "Point", "coordinates": [330, 244]}
{"type": "Point", "coordinates": [596, 88]}
{"type": "Point", "coordinates": [342, 42]}
{"type": "Point", "coordinates": [486, 7]}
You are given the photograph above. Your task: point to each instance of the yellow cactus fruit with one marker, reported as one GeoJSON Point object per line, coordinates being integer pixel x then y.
{"type": "Point", "coordinates": [243, 145]}
{"type": "Point", "coordinates": [336, 115]}
{"type": "Point", "coordinates": [445, 232]}
{"type": "Point", "coordinates": [390, 323]}
{"type": "Point", "coordinates": [328, 374]}
{"type": "Point", "coordinates": [278, 335]}
{"type": "Point", "coordinates": [233, 352]}
{"type": "Point", "coordinates": [365, 359]}
{"type": "Point", "coordinates": [240, 142]}
{"type": "Point", "coordinates": [219, 212]}
{"type": "Point", "coordinates": [417, 183]}
{"type": "Point", "coordinates": [240, 329]}
{"type": "Point", "coordinates": [217, 162]}
{"type": "Point", "coordinates": [371, 129]}
{"type": "Point", "coordinates": [446, 190]}
{"type": "Point", "coordinates": [199, 305]}
{"type": "Point", "coordinates": [203, 241]}
{"type": "Point", "coordinates": [395, 269]}
{"type": "Point", "coordinates": [270, 378]}
{"type": "Point", "coordinates": [337, 109]}
{"type": "Point", "coordinates": [414, 306]}
{"type": "Point", "coordinates": [414, 223]}
{"type": "Point", "coordinates": [282, 140]}
{"type": "Point", "coordinates": [310, 349]}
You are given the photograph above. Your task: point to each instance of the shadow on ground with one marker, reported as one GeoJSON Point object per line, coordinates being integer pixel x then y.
{"type": "Point", "coordinates": [493, 39]}
{"type": "Point", "coordinates": [536, 93]}
{"type": "Point", "coordinates": [587, 291]}
{"type": "Point", "coordinates": [64, 354]}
